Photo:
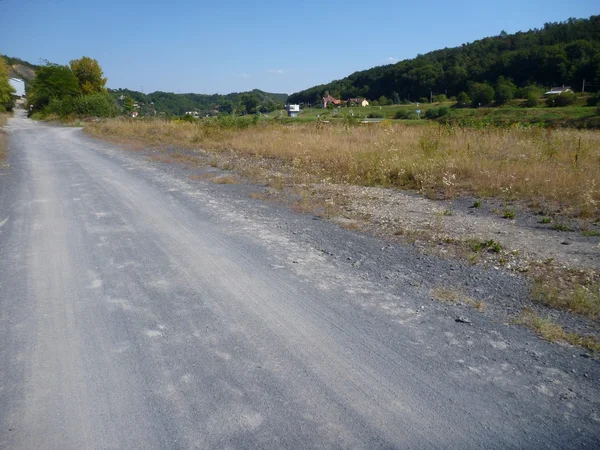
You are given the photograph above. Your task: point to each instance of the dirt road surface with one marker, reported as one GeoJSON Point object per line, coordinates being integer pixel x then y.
{"type": "Point", "coordinates": [140, 309]}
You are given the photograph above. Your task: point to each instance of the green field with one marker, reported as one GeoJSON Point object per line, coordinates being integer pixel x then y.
{"type": "Point", "coordinates": [512, 113]}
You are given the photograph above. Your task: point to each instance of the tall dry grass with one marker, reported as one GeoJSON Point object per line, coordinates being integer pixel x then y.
{"type": "Point", "coordinates": [549, 167]}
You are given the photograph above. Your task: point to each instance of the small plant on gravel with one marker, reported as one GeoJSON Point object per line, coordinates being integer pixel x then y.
{"type": "Point", "coordinates": [591, 233]}
{"type": "Point", "coordinates": [545, 220]}
{"type": "Point", "coordinates": [508, 214]}
{"type": "Point", "coordinates": [476, 204]}
{"type": "Point", "coordinates": [446, 212]}
{"type": "Point", "coordinates": [453, 295]}
{"type": "Point", "coordinates": [489, 245]}
{"type": "Point", "coordinates": [561, 227]}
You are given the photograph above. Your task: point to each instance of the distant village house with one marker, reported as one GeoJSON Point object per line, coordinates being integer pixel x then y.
{"type": "Point", "coordinates": [559, 90]}
{"type": "Point", "coordinates": [292, 110]}
{"type": "Point", "coordinates": [358, 101]}
{"type": "Point", "coordinates": [329, 99]}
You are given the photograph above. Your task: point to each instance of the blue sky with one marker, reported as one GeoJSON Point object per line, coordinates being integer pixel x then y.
{"type": "Point", "coordinates": [278, 46]}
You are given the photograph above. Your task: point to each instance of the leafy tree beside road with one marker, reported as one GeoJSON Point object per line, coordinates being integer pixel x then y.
{"type": "Point", "coordinates": [6, 90]}
{"type": "Point", "coordinates": [77, 89]}
{"type": "Point", "coordinates": [89, 75]}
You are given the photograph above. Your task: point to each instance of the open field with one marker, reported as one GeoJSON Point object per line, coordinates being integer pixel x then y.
{"type": "Point", "coordinates": [550, 170]}
{"type": "Point", "coordinates": [576, 115]}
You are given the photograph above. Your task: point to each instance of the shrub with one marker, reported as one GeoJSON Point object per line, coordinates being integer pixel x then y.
{"type": "Point", "coordinates": [593, 100]}
{"type": "Point", "coordinates": [463, 99]}
{"type": "Point", "coordinates": [93, 105]}
{"type": "Point", "coordinates": [423, 100]}
{"type": "Point", "coordinates": [440, 98]}
{"type": "Point", "coordinates": [434, 113]}
{"type": "Point", "coordinates": [481, 94]}
{"type": "Point", "coordinates": [401, 114]}
{"type": "Point", "coordinates": [565, 99]}
{"type": "Point", "coordinates": [532, 99]}
{"type": "Point", "coordinates": [375, 115]}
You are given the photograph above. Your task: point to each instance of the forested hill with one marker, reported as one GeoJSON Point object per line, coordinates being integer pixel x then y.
{"type": "Point", "coordinates": [178, 104]}
{"type": "Point", "coordinates": [559, 54]}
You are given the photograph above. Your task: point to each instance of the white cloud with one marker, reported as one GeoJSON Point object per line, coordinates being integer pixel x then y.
{"type": "Point", "coordinates": [391, 59]}
{"type": "Point", "coordinates": [277, 71]}
{"type": "Point", "coordinates": [244, 75]}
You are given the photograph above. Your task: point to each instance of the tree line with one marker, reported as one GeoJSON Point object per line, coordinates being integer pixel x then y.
{"type": "Point", "coordinates": [75, 89]}
{"type": "Point", "coordinates": [490, 69]}
{"type": "Point", "coordinates": [171, 104]}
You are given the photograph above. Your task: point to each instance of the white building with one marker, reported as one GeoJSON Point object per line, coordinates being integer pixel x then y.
{"type": "Point", "coordinates": [292, 110]}
{"type": "Point", "coordinates": [19, 86]}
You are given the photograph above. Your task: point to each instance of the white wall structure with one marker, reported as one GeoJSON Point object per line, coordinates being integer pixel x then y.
{"type": "Point", "coordinates": [292, 110]}
{"type": "Point", "coordinates": [19, 86]}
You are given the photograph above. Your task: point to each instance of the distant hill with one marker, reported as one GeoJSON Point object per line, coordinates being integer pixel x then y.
{"type": "Point", "coordinates": [20, 69]}
{"type": "Point", "coordinates": [178, 104]}
{"type": "Point", "coordinates": [559, 54]}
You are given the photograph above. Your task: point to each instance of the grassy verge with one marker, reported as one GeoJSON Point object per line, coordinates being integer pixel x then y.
{"type": "Point", "coordinates": [3, 143]}
{"type": "Point", "coordinates": [554, 169]}
{"type": "Point", "coordinates": [452, 295]}
{"type": "Point", "coordinates": [551, 331]}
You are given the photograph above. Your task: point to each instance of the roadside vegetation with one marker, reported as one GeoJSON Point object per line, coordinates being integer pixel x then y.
{"type": "Point", "coordinates": [549, 330]}
{"type": "Point", "coordinates": [3, 144]}
{"type": "Point", "coordinates": [550, 169]}
{"type": "Point", "coordinates": [77, 90]}
{"type": "Point", "coordinates": [6, 104]}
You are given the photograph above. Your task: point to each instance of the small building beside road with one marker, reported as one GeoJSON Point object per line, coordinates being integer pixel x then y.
{"type": "Point", "coordinates": [19, 86]}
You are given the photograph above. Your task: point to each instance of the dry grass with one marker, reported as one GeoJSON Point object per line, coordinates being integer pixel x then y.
{"type": "Point", "coordinates": [452, 295]}
{"type": "Point", "coordinates": [3, 143]}
{"type": "Point", "coordinates": [575, 290]}
{"type": "Point", "coordinates": [559, 167]}
{"type": "Point", "coordinates": [553, 332]}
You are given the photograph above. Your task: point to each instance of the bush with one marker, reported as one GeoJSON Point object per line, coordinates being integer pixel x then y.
{"type": "Point", "coordinates": [481, 94]}
{"type": "Point", "coordinates": [565, 99]}
{"type": "Point", "coordinates": [375, 115]}
{"type": "Point", "coordinates": [93, 105]}
{"type": "Point", "coordinates": [401, 114]}
{"type": "Point", "coordinates": [440, 98]}
{"type": "Point", "coordinates": [593, 100]}
{"type": "Point", "coordinates": [463, 100]}
{"type": "Point", "coordinates": [434, 113]}
{"type": "Point", "coordinates": [532, 99]}
{"type": "Point", "coordinates": [423, 100]}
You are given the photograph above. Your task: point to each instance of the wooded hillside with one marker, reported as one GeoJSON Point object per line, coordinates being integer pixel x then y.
{"type": "Point", "coordinates": [559, 54]}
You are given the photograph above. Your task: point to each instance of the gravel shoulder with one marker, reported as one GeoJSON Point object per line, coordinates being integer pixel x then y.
{"type": "Point", "coordinates": [143, 307]}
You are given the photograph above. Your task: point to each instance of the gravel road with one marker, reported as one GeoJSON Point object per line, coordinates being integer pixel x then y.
{"type": "Point", "coordinates": [141, 309]}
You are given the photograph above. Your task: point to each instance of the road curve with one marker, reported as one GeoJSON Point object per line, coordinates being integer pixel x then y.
{"type": "Point", "coordinates": [134, 318]}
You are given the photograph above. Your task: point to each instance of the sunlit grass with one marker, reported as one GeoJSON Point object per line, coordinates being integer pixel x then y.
{"type": "Point", "coordinates": [560, 167]}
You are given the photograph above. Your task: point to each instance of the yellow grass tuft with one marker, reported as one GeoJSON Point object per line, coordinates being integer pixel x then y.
{"type": "Point", "coordinates": [553, 332]}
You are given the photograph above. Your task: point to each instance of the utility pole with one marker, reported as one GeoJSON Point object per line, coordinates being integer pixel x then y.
{"type": "Point", "coordinates": [583, 86]}
{"type": "Point", "coordinates": [430, 96]}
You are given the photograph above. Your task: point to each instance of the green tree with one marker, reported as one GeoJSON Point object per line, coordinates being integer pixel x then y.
{"type": "Point", "coordinates": [395, 98]}
{"type": "Point", "coordinates": [481, 94]}
{"type": "Point", "coordinates": [89, 75]}
{"type": "Point", "coordinates": [6, 90]}
{"type": "Point", "coordinates": [384, 101]}
{"type": "Point", "coordinates": [128, 104]}
{"type": "Point", "coordinates": [52, 81]}
{"type": "Point", "coordinates": [249, 101]}
{"type": "Point", "coordinates": [463, 99]}
{"type": "Point", "coordinates": [505, 90]}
